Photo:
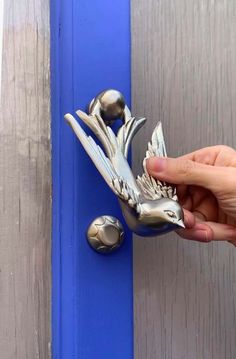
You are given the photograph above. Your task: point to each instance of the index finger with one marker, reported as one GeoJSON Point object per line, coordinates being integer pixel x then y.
{"type": "Point", "coordinates": [212, 155]}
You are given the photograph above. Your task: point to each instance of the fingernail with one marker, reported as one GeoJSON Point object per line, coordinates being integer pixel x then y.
{"type": "Point", "coordinates": [156, 164]}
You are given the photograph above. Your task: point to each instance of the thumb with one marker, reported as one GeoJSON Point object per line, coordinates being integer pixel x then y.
{"type": "Point", "coordinates": [185, 171]}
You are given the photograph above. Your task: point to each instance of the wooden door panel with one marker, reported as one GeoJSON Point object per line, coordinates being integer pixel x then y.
{"type": "Point", "coordinates": [25, 182]}
{"type": "Point", "coordinates": [183, 73]}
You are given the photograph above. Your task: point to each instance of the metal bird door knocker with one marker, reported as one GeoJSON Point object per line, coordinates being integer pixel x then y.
{"type": "Point", "coordinates": [149, 206]}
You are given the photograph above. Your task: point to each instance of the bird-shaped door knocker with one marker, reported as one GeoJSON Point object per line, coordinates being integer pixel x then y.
{"type": "Point", "coordinates": [149, 206]}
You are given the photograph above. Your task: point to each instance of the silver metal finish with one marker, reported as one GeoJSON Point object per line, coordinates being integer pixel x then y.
{"type": "Point", "coordinates": [110, 105]}
{"type": "Point", "coordinates": [149, 206]}
{"type": "Point", "coordinates": [105, 234]}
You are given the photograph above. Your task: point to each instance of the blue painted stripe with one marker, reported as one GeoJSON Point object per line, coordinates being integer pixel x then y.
{"type": "Point", "coordinates": [92, 314]}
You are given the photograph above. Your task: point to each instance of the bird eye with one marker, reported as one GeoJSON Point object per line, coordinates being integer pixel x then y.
{"type": "Point", "coordinates": [170, 214]}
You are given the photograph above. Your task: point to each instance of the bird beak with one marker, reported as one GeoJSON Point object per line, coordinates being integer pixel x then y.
{"type": "Point", "coordinates": [180, 223]}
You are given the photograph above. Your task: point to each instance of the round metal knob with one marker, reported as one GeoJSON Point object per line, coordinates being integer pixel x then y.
{"type": "Point", "coordinates": [111, 105]}
{"type": "Point", "coordinates": [105, 234]}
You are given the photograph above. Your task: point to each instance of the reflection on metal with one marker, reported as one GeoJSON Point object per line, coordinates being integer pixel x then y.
{"type": "Point", "coordinates": [105, 234]}
{"type": "Point", "coordinates": [110, 105]}
{"type": "Point", "coordinates": [149, 206]}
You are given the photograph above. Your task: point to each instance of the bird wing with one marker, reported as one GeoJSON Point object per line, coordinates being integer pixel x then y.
{"type": "Point", "coordinates": [127, 132]}
{"type": "Point", "coordinates": [117, 183]}
{"type": "Point", "coordinates": [151, 187]}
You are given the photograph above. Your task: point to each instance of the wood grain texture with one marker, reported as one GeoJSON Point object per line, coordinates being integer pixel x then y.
{"type": "Point", "coordinates": [25, 182]}
{"type": "Point", "coordinates": [184, 61]}
{"type": "Point", "coordinates": [1, 33]}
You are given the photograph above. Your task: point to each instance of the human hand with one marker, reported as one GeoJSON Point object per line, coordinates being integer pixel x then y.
{"type": "Point", "coordinates": [206, 188]}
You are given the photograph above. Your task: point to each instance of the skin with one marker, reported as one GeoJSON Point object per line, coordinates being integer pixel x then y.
{"type": "Point", "coordinates": [206, 187]}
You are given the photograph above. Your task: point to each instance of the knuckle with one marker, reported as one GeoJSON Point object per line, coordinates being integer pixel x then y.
{"type": "Point", "coordinates": [207, 238]}
{"type": "Point", "coordinates": [207, 160]}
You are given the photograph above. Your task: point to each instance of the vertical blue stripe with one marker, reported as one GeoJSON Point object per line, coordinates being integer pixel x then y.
{"type": "Point", "coordinates": [92, 314]}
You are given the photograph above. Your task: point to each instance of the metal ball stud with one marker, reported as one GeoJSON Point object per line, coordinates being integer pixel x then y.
{"type": "Point", "coordinates": [105, 234]}
{"type": "Point", "coordinates": [110, 104]}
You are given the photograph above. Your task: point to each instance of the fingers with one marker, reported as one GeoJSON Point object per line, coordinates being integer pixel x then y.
{"type": "Point", "coordinates": [194, 231]}
{"type": "Point", "coordinates": [182, 191]}
{"type": "Point", "coordinates": [189, 219]}
{"type": "Point", "coordinates": [213, 155]}
{"type": "Point", "coordinates": [212, 172]}
{"type": "Point", "coordinates": [207, 209]}
{"type": "Point", "coordinates": [187, 172]}
{"type": "Point", "coordinates": [209, 231]}
{"type": "Point", "coordinates": [222, 232]}
{"type": "Point", "coordinates": [199, 233]}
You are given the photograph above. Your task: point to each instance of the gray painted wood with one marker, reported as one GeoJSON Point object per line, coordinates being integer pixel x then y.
{"type": "Point", "coordinates": [25, 182]}
{"type": "Point", "coordinates": [184, 61]}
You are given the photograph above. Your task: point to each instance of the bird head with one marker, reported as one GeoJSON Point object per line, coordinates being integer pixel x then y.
{"type": "Point", "coordinates": [173, 213]}
{"type": "Point", "coordinates": [164, 210]}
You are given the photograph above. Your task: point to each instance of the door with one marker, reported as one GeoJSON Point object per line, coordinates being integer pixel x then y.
{"type": "Point", "coordinates": [164, 297]}
{"type": "Point", "coordinates": [183, 59]}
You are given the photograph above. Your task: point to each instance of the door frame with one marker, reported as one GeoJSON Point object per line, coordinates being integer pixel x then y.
{"type": "Point", "coordinates": [92, 294]}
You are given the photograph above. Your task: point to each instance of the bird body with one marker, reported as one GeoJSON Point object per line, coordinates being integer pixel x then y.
{"type": "Point", "coordinates": [151, 221]}
{"type": "Point", "coordinates": [149, 206]}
